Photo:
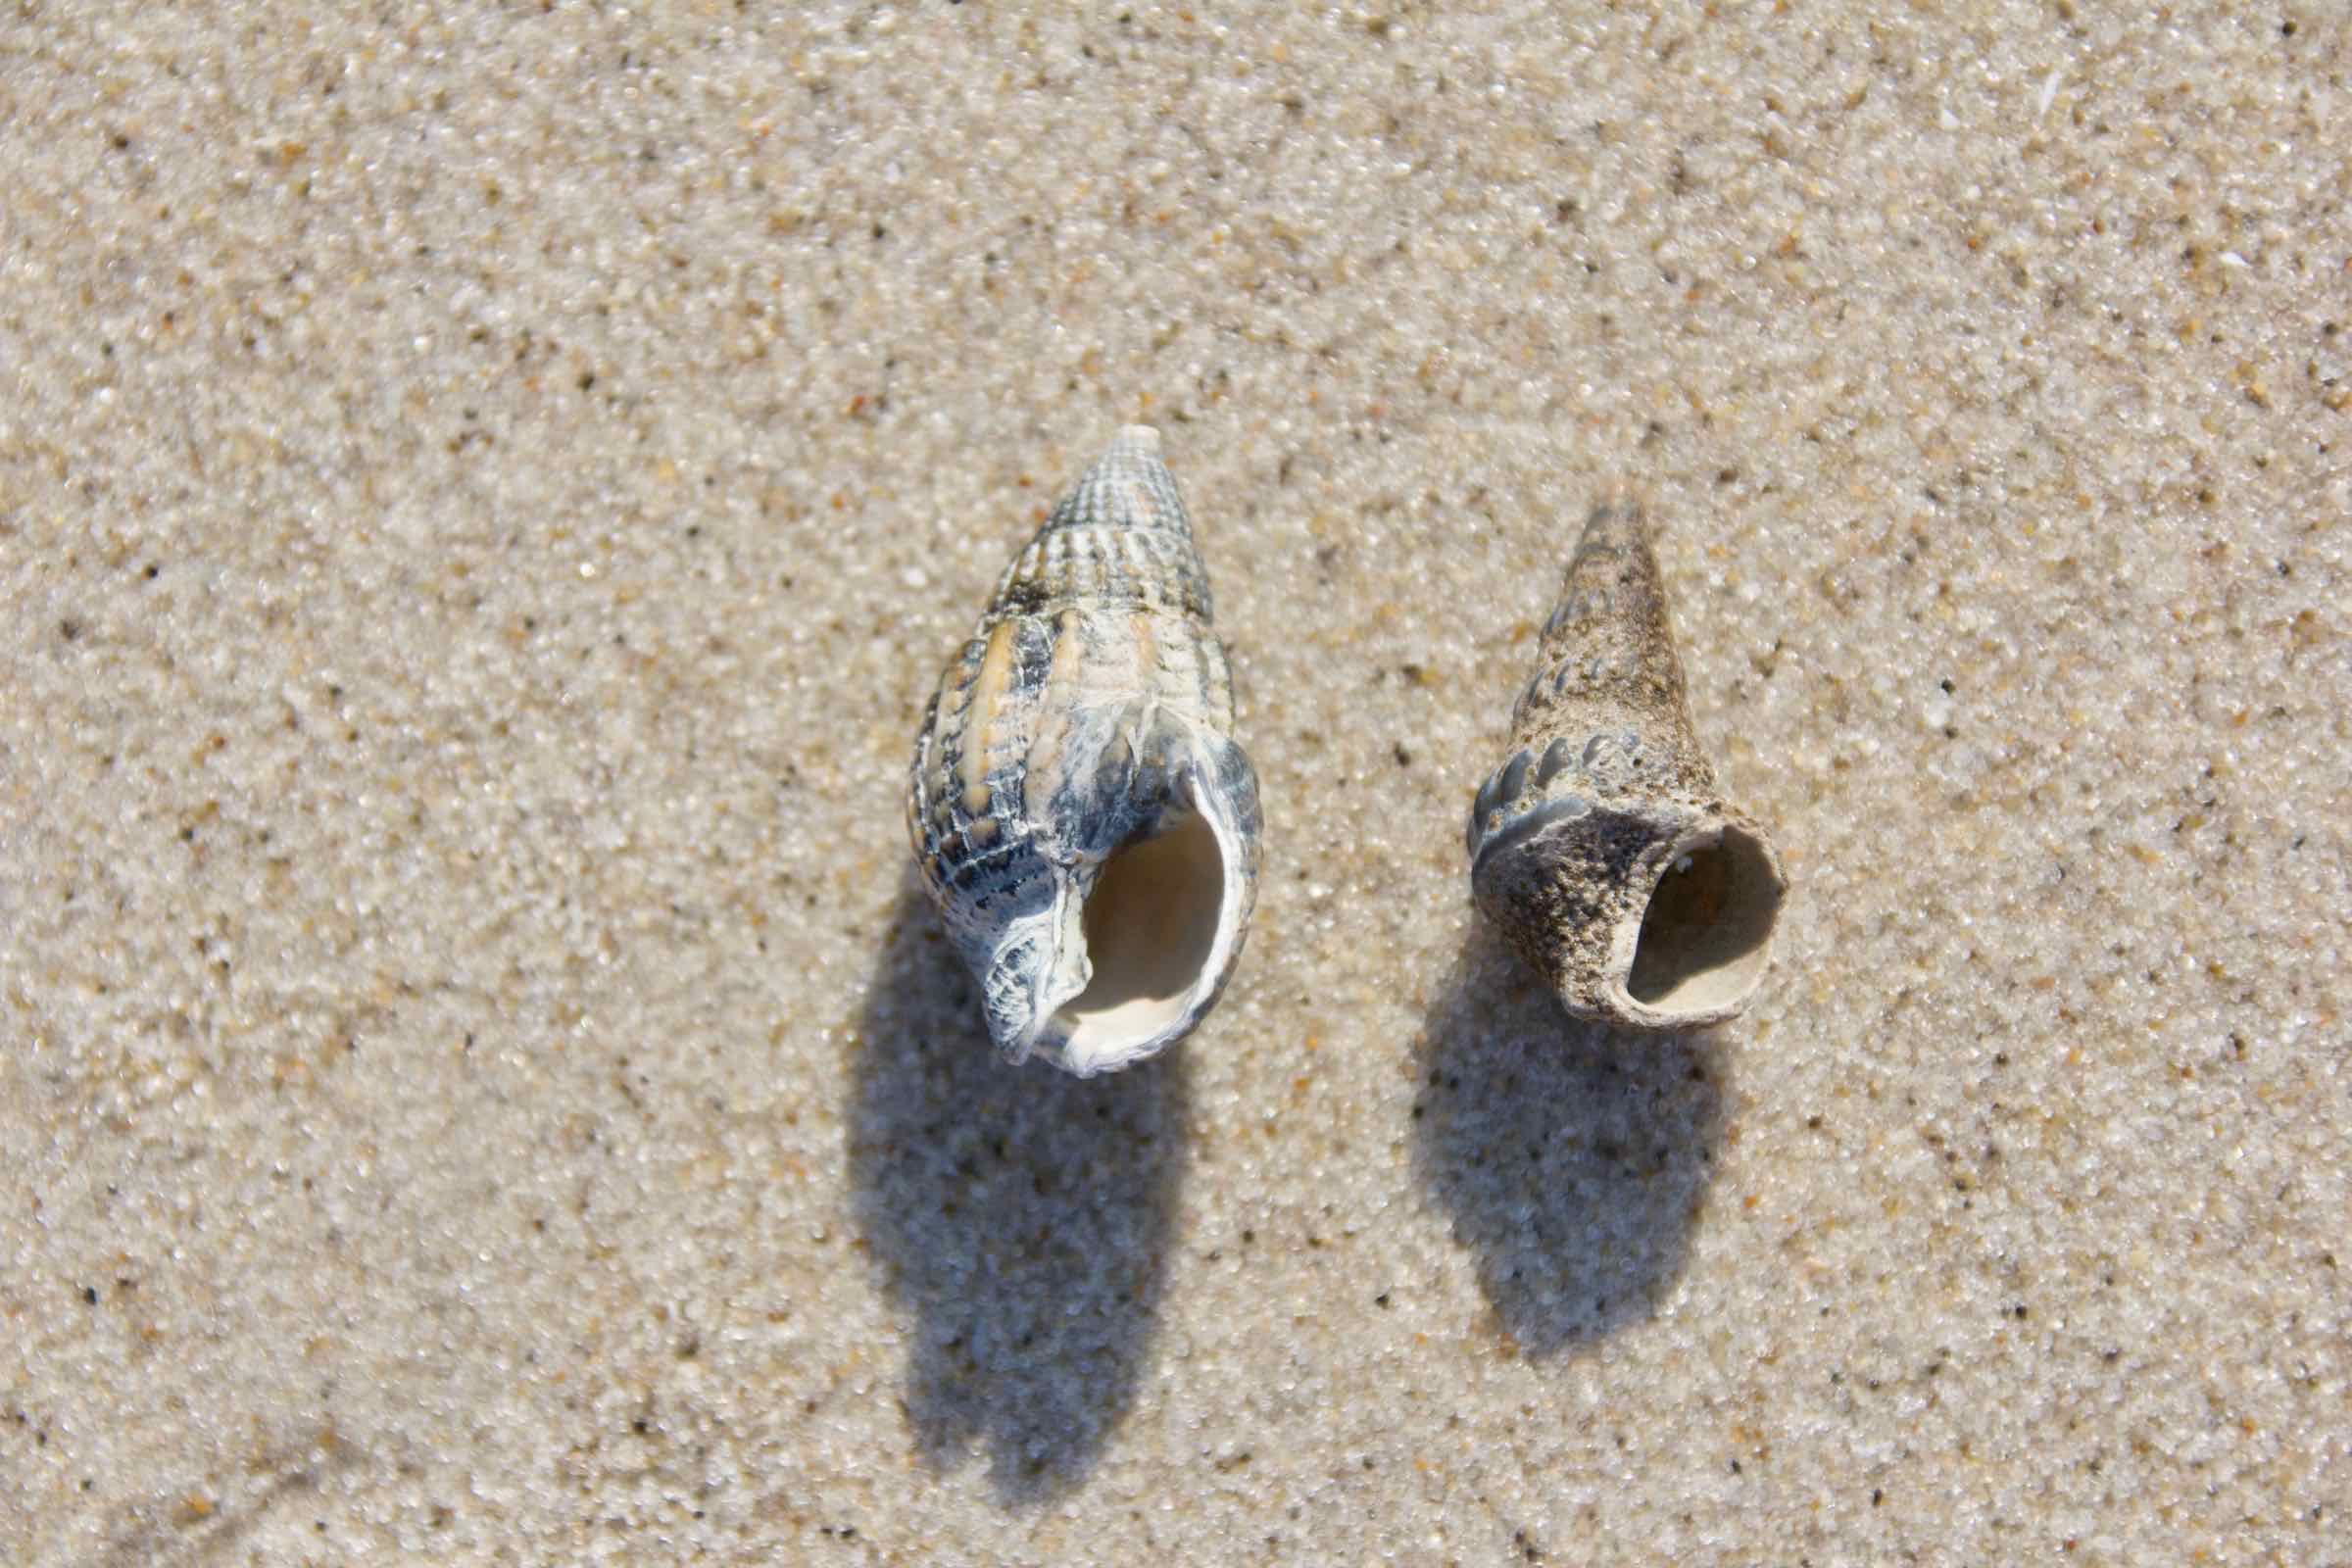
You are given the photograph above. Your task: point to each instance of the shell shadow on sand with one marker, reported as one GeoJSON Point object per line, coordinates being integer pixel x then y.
{"type": "Point", "coordinates": [1021, 1216]}
{"type": "Point", "coordinates": [1572, 1159]}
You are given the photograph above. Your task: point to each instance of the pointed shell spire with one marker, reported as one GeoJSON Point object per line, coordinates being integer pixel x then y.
{"type": "Point", "coordinates": [1600, 847]}
{"type": "Point", "coordinates": [1082, 818]}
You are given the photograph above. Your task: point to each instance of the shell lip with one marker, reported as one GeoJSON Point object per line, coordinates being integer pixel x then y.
{"type": "Point", "coordinates": [1691, 955]}
{"type": "Point", "coordinates": [1139, 1021]}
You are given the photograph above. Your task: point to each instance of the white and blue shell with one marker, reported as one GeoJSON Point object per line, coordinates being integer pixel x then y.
{"type": "Point", "coordinates": [1083, 819]}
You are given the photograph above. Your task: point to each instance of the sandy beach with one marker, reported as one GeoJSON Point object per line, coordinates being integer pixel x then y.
{"type": "Point", "coordinates": [486, 492]}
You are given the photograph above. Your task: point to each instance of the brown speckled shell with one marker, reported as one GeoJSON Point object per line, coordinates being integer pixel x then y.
{"type": "Point", "coordinates": [1604, 791]}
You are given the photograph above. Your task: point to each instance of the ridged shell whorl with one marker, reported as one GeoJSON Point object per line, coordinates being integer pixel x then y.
{"type": "Point", "coordinates": [1084, 821]}
{"type": "Point", "coordinates": [1600, 847]}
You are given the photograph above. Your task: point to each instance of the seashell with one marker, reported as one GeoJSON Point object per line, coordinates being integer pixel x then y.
{"type": "Point", "coordinates": [1084, 821]}
{"type": "Point", "coordinates": [1600, 847]}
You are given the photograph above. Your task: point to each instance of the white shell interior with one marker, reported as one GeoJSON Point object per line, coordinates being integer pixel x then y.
{"type": "Point", "coordinates": [1157, 928]}
{"type": "Point", "coordinates": [1707, 929]}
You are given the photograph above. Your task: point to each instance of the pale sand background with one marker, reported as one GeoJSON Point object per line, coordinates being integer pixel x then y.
{"type": "Point", "coordinates": [483, 502]}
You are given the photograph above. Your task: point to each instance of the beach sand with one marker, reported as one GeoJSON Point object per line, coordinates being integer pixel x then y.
{"type": "Point", "coordinates": [486, 492]}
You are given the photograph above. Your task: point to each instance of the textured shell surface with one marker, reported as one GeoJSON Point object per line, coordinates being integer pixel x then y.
{"type": "Point", "coordinates": [1082, 818]}
{"type": "Point", "coordinates": [1599, 845]}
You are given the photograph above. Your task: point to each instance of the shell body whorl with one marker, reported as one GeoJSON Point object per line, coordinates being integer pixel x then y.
{"type": "Point", "coordinates": [1081, 815]}
{"type": "Point", "coordinates": [1599, 846]}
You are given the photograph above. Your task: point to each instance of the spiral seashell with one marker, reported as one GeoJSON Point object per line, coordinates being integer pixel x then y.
{"type": "Point", "coordinates": [1599, 846]}
{"type": "Point", "coordinates": [1083, 819]}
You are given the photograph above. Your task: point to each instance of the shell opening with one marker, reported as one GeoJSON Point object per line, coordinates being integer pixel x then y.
{"type": "Point", "coordinates": [1153, 924]}
{"type": "Point", "coordinates": [1707, 929]}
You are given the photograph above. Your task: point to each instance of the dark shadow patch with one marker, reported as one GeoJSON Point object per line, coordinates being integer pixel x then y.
{"type": "Point", "coordinates": [1021, 1216]}
{"type": "Point", "coordinates": [1572, 1159]}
